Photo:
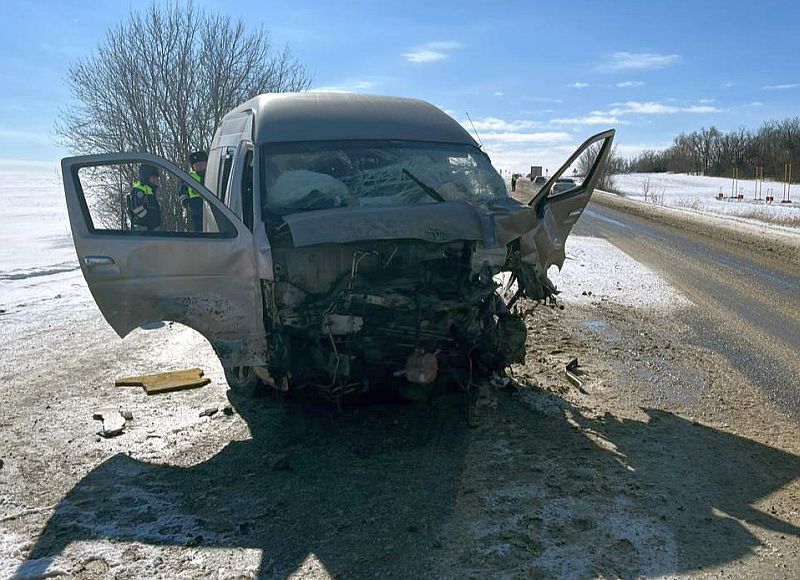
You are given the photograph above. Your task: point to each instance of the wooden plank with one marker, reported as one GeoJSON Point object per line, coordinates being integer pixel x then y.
{"type": "Point", "coordinates": [166, 382]}
{"type": "Point", "coordinates": [140, 380]}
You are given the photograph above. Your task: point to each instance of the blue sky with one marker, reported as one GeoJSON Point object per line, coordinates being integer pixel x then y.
{"type": "Point", "coordinates": [536, 77]}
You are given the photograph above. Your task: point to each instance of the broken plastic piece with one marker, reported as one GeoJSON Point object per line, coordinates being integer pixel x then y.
{"type": "Point", "coordinates": [113, 421]}
{"type": "Point", "coordinates": [572, 372]}
{"type": "Point", "coordinates": [422, 367]}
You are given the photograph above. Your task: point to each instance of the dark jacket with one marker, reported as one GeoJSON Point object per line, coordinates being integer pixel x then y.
{"type": "Point", "coordinates": [191, 200]}
{"type": "Point", "coordinates": [144, 210]}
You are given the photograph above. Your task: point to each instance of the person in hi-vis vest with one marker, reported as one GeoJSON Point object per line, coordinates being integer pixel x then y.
{"type": "Point", "coordinates": [144, 210]}
{"type": "Point", "coordinates": [190, 199]}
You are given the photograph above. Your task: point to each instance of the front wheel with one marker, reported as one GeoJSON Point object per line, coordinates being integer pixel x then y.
{"type": "Point", "coordinates": [241, 377]}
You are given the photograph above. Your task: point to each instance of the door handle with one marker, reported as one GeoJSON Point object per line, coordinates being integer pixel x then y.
{"type": "Point", "coordinates": [98, 260]}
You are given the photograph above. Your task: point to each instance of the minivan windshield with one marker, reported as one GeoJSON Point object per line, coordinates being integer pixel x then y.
{"type": "Point", "coordinates": [327, 174]}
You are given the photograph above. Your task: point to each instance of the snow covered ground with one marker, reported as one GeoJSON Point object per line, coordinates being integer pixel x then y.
{"type": "Point", "coordinates": [699, 193]}
{"type": "Point", "coordinates": [37, 258]}
{"type": "Point", "coordinates": [596, 270]}
{"type": "Point", "coordinates": [123, 507]}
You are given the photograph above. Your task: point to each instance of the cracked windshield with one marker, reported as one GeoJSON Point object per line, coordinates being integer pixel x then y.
{"type": "Point", "coordinates": [311, 176]}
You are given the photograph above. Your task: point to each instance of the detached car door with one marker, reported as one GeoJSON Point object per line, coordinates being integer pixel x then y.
{"type": "Point", "coordinates": [205, 279]}
{"type": "Point", "coordinates": [559, 204]}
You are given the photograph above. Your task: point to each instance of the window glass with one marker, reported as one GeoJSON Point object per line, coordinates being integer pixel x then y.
{"type": "Point", "coordinates": [224, 175]}
{"type": "Point", "coordinates": [309, 176]}
{"type": "Point", "coordinates": [578, 172]}
{"type": "Point", "coordinates": [247, 190]}
{"type": "Point", "coordinates": [143, 198]}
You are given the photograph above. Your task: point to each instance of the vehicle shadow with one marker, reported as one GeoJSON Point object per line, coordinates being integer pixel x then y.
{"type": "Point", "coordinates": [362, 491]}
{"type": "Point", "coordinates": [564, 492]}
{"type": "Point", "coordinates": [406, 490]}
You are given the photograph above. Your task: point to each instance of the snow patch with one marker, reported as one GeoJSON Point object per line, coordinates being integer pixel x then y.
{"type": "Point", "coordinates": [597, 266]}
{"type": "Point", "coordinates": [699, 193]}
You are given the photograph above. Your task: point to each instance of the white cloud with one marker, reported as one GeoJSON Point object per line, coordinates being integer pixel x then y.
{"type": "Point", "coordinates": [780, 87]}
{"type": "Point", "coordinates": [541, 99]}
{"type": "Point", "coordinates": [707, 101]}
{"type": "Point", "coordinates": [620, 61]}
{"type": "Point", "coordinates": [431, 51]}
{"type": "Point", "coordinates": [520, 157]}
{"type": "Point", "coordinates": [728, 84]}
{"type": "Point", "coordinates": [495, 124]}
{"type": "Point", "coordinates": [31, 135]}
{"type": "Point", "coordinates": [755, 104]}
{"type": "Point", "coordinates": [513, 137]}
{"type": "Point", "coordinates": [630, 84]}
{"type": "Point", "coordinates": [578, 85]}
{"type": "Point", "coordinates": [345, 87]}
{"type": "Point", "coordinates": [595, 118]}
{"type": "Point", "coordinates": [29, 164]}
{"type": "Point", "coordinates": [498, 93]}
{"type": "Point", "coordinates": [656, 108]}
{"type": "Point", "coordinates": [633, 149]}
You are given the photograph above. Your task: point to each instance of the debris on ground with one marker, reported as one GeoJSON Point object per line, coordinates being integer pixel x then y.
{"type": "Point", "coordinates": [128, 415]}
{"type": "Point", "coordinates": [573, 371]}
{"type": "Point", "coordinates": [228, 410]}
{"type": "Point", "coordinates": [209, 412]}
{"type": "Point", "coordinates": [166, 382]}
{"type": "Point", "coordinates": [112, 419]}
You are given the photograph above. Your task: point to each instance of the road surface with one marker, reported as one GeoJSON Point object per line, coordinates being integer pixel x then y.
{"type": "Point", "coordinates": [748, 306]}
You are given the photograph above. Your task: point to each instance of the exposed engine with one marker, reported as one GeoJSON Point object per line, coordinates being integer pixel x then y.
{"type": "Point", "coordinates": [345, 317]}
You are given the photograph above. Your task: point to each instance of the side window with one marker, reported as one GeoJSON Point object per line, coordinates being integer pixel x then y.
{"type": "Point", "coordinates": [226, 166]}
{"type": "Point", "coordinates": [146, 199]}
{"type": "Point", "coordinates": [247, 190]}
{"type": "Point", "coordinates": [577, 173]}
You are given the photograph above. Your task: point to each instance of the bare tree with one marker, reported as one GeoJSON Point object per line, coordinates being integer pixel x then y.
{"type": "Point", "coordinates": [163, 79]}
{"type": "Point", "coordinates": [614, 164]}
{"type": "Point", "coordinates": [713, 152]}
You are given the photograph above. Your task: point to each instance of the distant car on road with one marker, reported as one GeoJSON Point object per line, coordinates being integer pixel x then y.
{"type": "Point", "coordinates": [563, 184]}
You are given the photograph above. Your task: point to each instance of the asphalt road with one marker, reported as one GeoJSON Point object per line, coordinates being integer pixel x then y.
{"type": "Point", "coordinates": [747, 306]}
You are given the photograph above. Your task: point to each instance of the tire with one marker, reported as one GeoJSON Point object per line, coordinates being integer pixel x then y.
{"type": "Point", "coordinates": [241, 377]}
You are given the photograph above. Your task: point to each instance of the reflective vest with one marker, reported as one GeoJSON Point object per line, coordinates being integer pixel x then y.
{"type": "Point", "coordinates": [145, 189]}
{"type": "Point", "coordinates": [191, 192]}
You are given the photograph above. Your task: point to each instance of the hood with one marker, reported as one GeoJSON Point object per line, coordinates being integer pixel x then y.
{"type": "Point", "coordinates": [441, 222]}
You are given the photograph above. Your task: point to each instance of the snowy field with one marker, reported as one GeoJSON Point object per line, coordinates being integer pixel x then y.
{"type": "Point", "coordinates": [37, 258]}
{"type": "Point", "coordinates": [699, 193]}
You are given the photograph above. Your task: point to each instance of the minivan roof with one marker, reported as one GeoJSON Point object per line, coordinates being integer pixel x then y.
{"type": "Point", "coordinates": [319, 116]}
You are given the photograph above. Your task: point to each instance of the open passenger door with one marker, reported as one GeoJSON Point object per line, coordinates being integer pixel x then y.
{"type": "Point", "coordinates": [560, 203]}
{"type": "Point", "coordinates": [204, 279]}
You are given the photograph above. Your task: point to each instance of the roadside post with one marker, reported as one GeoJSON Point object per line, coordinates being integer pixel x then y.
{"type": "Point", "coordinates": [734, 183]}
{"type": "Point", "coordinates": [759, 182]}
{"type": "Point", "coordinates": [787, 185]}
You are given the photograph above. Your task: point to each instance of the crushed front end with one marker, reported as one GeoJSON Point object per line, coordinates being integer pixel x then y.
{"type": "Point", "coordinates": [387, 261]}
{"type": "Point", "coordinates": [347, 317]}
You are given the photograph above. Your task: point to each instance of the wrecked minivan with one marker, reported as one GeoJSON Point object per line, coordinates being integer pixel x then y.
{"type": "Point", "coordinates": [349, 242]}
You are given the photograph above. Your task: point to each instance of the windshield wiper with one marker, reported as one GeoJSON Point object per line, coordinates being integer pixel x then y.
{"type": "Point", "coordinates": [425, 187]}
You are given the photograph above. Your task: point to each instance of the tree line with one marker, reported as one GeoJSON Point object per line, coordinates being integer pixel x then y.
{"type": "Point", "coordinates": [710, 151]}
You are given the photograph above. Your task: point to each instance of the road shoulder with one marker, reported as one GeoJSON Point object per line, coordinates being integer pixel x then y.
{"type": "Point", "coordinates": [777, 244]}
